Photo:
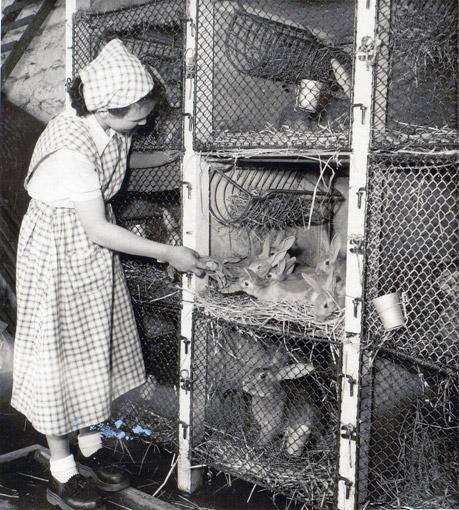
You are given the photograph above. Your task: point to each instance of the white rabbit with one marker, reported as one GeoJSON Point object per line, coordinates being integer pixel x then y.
{"type": "Point", "coordinates": [306, 288]}
{"type": "Point", "coordinates": [271, 411]}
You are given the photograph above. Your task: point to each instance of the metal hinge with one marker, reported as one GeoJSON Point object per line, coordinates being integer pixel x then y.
{"type": "Point", "coordinates": [186, 383]}
{"type": "Point", "coordinates": [356, 302]}
{"type": "Point", "coordinates": [190, 121]}
{"type": "Point", "coordinates": [349, 432]}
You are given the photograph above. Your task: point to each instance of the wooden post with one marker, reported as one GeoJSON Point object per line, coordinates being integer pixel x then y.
{"type": "Point", "coordinates": [362, 106]}
{"type": "Point", "coordinates": [70, 9]}
{"type": "Point", "coordinates": [196, 236]}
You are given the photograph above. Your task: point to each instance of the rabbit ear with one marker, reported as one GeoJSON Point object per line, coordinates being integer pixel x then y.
{"type": "Point", "coordinates": [281, 266]}
{"type": "Point", "coordinates": [342, 76]}
{"type": "Point", "coordinates": [252, 276]}
{"type": "Point", "coordinates": [286, 244]}
{"type": "Point", "coordinates": [335, 247]}
{"type": "Point", "coordinates": [330, 282]}
{"type": "Point", "coordinates": [290, 265]}
{"type": "Point", "coordinates": [266, 248]}
{"type": "Point", "coordinates": [294, 371]}
{"type": "Point", "coordinates": [312, 282]}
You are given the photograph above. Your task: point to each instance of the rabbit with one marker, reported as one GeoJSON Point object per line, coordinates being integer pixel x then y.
{"type": "Point", "coordinates": [269, 399]}
{"type": "Point", "coordinates": [332, 262]}
{"type": "Point", "coordinates": [306, 288]}
{"type": "Point", "coordinates": [302, 419]}
{"type": "Point", "coordinates": [270, 255]}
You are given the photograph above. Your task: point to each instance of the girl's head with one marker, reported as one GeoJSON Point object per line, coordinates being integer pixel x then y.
{"type": "Point", "coordinates": [117, 87]}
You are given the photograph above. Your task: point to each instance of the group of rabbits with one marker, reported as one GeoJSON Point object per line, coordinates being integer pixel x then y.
{"type": "Point", "coordinates": [273, 275]}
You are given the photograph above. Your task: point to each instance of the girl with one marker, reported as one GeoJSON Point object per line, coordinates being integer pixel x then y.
{"type": "Point", "coordinates": [77, 346]}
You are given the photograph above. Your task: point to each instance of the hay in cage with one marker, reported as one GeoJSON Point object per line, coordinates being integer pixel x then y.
{"type": "Point", "coordinates": [311, 478]}
{"type": "Point", "coordinates": [264, 141]}
{"type": "Point", "coordinates": [280, 210]}
{"type": "Point", "coordinates": [148, 282]}
{"type": "Point", "coordinates": [423, 137]}
{"type": "Point", "coordinates": [425, 474]}
{"type": "Point", "coordinates": [281, 315]}
{"type": "Point", "coordinates": [424, 34]}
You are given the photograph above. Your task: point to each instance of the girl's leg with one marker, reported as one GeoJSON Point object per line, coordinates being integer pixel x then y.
{"type": "Point", "coordinates": [62, 464]}
{"type": "Point", "coordinates": [89, 441]}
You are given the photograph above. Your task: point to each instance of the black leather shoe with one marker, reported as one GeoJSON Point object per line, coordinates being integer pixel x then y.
{"type": "Point", "coordinates": [75, 494]}
{"type": "Point", "coordinates": [106, 476]}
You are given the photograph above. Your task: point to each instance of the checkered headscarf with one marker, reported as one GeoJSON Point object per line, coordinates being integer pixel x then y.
{"type": "Point", "coordinates": [115, 78]}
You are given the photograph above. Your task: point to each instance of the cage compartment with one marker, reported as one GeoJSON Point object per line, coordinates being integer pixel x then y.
{"type": "Point", "coordinates": [273, 76]}
{"type": "Point", "coordinates": [412, 247]}
{"type": "Point", "coordinates": [408, 437]}
{"type": "Point", "coordinates": [416, 75]}
{"type": "Point", "coordinates": [264, 196]}
{"type": "Point", "coordinates": [262, 413]}
{"type": "Point", "coordinates": [154, 32]}
{"type": "Point", "coordinates": [152, 408]}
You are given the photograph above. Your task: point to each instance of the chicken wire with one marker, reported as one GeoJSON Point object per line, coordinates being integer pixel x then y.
{"type": "Point", "coordinates": [266, 408]}
{"type": "Point", "coordinates": [416, 74]}
{"type": "Point", "coordinates": [154, 32]}
{"type": "Point", "coordinates": [408, 436]}
{"type": "Point", "coordinates": [412, 248]}
{"type": "Point", "coordinates": [273, 75]}
{"type": "Point", "coordinates": [149, 205]}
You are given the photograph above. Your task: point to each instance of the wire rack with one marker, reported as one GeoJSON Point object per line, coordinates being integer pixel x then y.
{"type": "Point", "coordinates": [270, 197]}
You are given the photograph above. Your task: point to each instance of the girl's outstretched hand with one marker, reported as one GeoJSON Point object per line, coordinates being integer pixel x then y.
{"type": "Point", "coordinates": [186, 260]}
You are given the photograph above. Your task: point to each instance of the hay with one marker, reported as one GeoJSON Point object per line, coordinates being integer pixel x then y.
{"type": "Point", "coordinates": [424, 34]}
{"type": "Point", "coordinates": [282, 141]}
{"type": "Point", "coordinates": [310, 478]}
{"type": "Point", "coordinates": [423, 136]}
{"type": "Point", "coordinates": [149, 283]}
{"type": "Point", "coordinates": [283, 315]}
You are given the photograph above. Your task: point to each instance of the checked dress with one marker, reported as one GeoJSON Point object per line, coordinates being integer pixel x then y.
{"type": "Point", "coordinates": [77, 347]}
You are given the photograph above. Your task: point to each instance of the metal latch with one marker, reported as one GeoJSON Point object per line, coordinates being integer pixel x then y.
{"type": "Point", "coordinates": [349, 432]}
{"type": "Point", "coordinates": [357, 246]}
{"type": "Point", "coordinates": [356, 302]}
{"type": "Point", "coordinates": [363, 110]}
{"type": "Point", "coordinates": [190, 121]}
{"type": "Point", "coordinates": [186, 383]}
{"type": "Point", "coordinates": [188, 188]}
{"type": "Point", "coordinates": [185, 427]}
{"type": "Point", "coordinates": [351, 382]}
{"type": "Point", "coordinates": [348, 485]}
{"type": "Point", "coordinates": [190, 63]}
{"type": "Point", "coordinates": [360, 193]}
{"type": "Point", "coordinates": [368, 50]}
{"type": "Point", "coordinates": [186, 341]}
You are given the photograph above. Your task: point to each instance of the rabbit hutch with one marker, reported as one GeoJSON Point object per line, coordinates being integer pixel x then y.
{"type": "Point", "coordinates": [308, 150]}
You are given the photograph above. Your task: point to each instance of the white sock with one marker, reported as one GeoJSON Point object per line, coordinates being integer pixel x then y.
{"type": "Point", "coordinates": [89, 443]}
{"type": "Point", "coordinates": [63, 469]}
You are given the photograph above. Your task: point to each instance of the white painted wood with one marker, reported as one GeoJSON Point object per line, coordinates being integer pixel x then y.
{"type": "Point", "coordinates": [70, 9]}
{"type": "Point", "coordinates": [362, 95]}
{"type": "Point", "coordinates": [195, 236]}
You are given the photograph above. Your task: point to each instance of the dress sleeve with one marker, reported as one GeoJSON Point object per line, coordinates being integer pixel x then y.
{"type": "Point", "coordinates": [79, 177]}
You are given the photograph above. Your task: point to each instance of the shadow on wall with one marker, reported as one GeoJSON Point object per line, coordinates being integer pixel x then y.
{"type": "Point", "coordinates": [18, 131]}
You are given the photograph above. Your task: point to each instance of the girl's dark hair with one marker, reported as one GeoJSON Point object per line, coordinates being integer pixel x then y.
{"type": "Point", "coordinates": [75, 91]}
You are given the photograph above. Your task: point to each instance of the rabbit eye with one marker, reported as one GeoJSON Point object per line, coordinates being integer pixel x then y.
{"type": "Point", "coordinates": [259, 266]}
{"type": "Point", "coordinates": [327, 263]}
{"type": "Point", "coordinates": [269, 275]}
{"type": "Point", "coordinates": [263, 376]}
{"type": "Point", "coordinates": [325, 305]}
{"type": "Point", "coordinates": [246, 284]}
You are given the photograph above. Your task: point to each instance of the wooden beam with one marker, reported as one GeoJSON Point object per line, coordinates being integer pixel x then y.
{"type": "Point", "coordinates": [27, 36]}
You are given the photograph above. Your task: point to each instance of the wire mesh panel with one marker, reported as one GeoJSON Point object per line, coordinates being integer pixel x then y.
{"type": "Point", "coordinates": [273, 74]}
{"type": "Point", "coordinates": [408, 439]}
{"type": "Point", "coordinates": [415, 98]}
{"type": "Point", "coordinates": [149, 205]}
{"type": "Point", "coordinates": [154, 32]}
{"type": "Point", "coordinates": [269, 408]}
{"type": "Point", "coordinates": [412, 247]}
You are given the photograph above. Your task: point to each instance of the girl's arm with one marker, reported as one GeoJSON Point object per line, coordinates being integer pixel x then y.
{"type": "Point", "coordinates": [91, 214]}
